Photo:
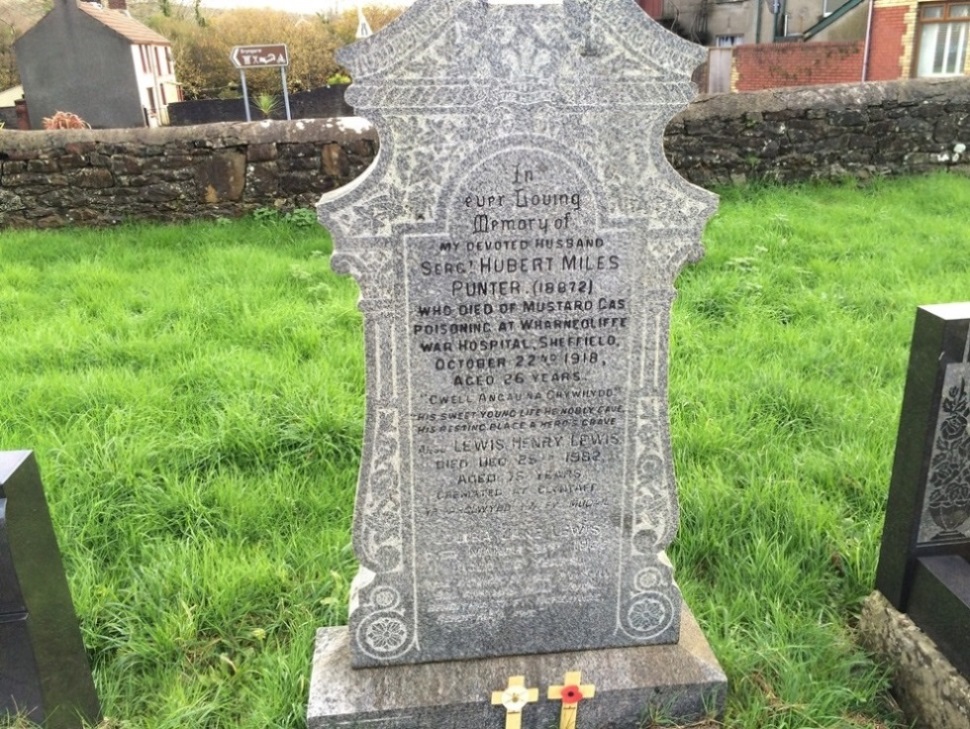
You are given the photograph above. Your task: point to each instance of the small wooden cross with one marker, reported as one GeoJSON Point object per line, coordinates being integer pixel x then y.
{"type": "Point", "coordinates": [514, 698]}
{"type": "Point", "coordinates": [571, 693]}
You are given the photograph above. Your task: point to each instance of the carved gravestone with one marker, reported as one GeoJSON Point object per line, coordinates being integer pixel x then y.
{"type": "Point", "coordinates": [44, 671]}
{"type": "Point", "coordinates": [924, 562]}
{"type": "Point", "coordinates": [516, 243]}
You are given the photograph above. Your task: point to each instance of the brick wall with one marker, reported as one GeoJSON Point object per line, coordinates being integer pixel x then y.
{"type": "Point", "coordinates": [776, 65]}
{"type": "Point", "coordinates": [90, 177]}
{"type": "Point", "coordinates": [886, 55]}
{"type": "Point", "coordinates": [893, 38]}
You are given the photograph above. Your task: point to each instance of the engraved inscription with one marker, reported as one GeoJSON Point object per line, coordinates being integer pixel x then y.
{"type": "Point", "coordinates": [520, 347]}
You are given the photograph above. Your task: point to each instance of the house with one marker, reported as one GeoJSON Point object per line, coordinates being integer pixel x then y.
{"type": "Point", "coordinates": [95, 60]}
{"type": "Point", "coordinates": [759, 44]}
{"type": "Point", "coordinates": [913, 39]}
{"type": "Point", "coordinates": [8, 96]}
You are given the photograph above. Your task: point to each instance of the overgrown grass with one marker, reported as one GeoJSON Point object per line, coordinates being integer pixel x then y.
{"type": "Point", "coordinates": [195, 399]}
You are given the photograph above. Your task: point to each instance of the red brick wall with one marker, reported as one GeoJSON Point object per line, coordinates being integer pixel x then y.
{"type": "Point", "coordinates": [888, 29]}
{"type": "Point", "coordinates": [653, 8]}
{"type": "Point", "coordinates": [772, 65]}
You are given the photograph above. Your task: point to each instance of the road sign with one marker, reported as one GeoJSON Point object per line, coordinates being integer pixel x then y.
{"type": "Point", "coordinates": [270, 56]}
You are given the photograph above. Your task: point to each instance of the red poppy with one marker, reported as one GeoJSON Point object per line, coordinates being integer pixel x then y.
{"type": "Point", "coordinates": [571, 694]}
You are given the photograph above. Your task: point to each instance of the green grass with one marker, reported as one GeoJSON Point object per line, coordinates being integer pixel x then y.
{"type": "Point", "coordinates": [195, 399]}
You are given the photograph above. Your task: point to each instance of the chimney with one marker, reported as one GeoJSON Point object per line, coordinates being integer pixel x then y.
{"type": "Point", "coordinates": [115, 5]}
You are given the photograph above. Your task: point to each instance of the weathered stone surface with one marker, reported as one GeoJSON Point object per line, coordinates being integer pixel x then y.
{"type": "Point", "coordinates": [516, 492]}
{"type": "Point", "coordinates": [682, 683]}
{"type": "Point", "coordinates": [93, 178]}
{"type": "Point", "coordinates": [927, 686]}
{"type": "Point", "coordinates": [261, 152]}
{"type": "Point", "coordinates": [335, 162]}
{"type": "Point", "coordinates": [151, 166]}
{"type": "Point", "coordinates": [221, 177]}
{"type": "Point", "coordinates": [715, 147]}
{"type": "Point", "coordinates": [9, 202]}
{"type": "Point", "coordinates": [262, 180]}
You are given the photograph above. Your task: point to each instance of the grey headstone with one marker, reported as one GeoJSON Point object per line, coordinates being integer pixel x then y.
{"type": "Point", "coordinates": [516, 244]}
{"type": "Point", "coordinates": [44, 671]}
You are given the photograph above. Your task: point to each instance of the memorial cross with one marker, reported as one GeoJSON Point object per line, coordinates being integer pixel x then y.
{"type": "Point", "coordinates": [570, 694]}
{"type": "Point", "coordinates": [514, 699]}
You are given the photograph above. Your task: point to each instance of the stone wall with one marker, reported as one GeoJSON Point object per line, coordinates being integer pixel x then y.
{"type": "Point", "coordinates": [787, 135]}
{"type": "Point", "coordinates": [826, 132]}
{"type": "Point", "coordinates": [51, 179]}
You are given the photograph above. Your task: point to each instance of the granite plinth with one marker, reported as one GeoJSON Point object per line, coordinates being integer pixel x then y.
{"type": "Point", "coordinates": [682, 682]}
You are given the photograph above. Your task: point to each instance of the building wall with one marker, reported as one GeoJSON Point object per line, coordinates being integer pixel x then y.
{"type": "Point", "coordinates": [893, 39]}
{"type": "Point", "coordinates": [736, 19]}
{"type": "Point", "coordinates": [157, 79]}
{"type": "Point", "coordinates": [102, 177]}
{"type": "Point", "coordinates": [851, 26]}
{"type": "Point", "coordinates": [796, 64]}
{"type": "Point", "coordinates": [70, 62]}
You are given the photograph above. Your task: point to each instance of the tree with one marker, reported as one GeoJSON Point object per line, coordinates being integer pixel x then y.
{"type": "Point", "coordinates": [201, 51]}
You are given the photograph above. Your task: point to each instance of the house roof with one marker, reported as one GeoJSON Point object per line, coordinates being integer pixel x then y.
{"type": "Point", "coordinates": [124, 25]}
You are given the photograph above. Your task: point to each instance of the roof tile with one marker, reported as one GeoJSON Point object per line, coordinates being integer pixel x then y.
{"type": "Point", "coordinates": [121, 23]}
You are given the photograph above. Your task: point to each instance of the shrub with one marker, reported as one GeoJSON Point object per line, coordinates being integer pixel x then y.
{"type": "Point", "coordinates": [65, 120]}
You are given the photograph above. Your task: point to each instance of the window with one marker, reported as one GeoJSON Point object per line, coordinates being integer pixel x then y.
{"type": "Point", "coordinates": [943, 29]}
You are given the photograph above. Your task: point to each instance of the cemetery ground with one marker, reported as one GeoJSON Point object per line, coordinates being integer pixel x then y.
{"type": "Point", "coordinates": [194, 396]}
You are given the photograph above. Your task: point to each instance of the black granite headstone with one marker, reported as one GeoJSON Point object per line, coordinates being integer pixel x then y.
{"type": "Point", "coordinates": [44, 672]}
{"type": "Point", "coordinates": [924, 563]}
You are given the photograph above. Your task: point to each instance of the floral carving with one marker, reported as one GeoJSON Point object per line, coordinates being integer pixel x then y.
{"type": "Point", "coordinates": [948, 482]}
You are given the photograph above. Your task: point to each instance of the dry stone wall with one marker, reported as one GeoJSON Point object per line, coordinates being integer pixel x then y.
{"type": "Point", "coordinates": [824, 132]}
{"type": "Point", "coordinates": [51, 179]}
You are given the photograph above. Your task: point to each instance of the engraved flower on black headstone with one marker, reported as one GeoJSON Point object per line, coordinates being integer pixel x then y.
{"type": "Point", "coordinates": [956, 406]}
{"type": "Point", "coordinates": [949, 477]}
{"type": "Point", "coordinates": [950, 506]}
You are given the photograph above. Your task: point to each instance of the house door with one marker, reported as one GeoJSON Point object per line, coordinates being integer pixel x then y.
{"type": "Point", "coordinates": [719, 71]}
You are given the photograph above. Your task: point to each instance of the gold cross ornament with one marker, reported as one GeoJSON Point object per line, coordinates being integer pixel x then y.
{"type": "Point", "coordinates": [570, 694]}
{"type": "Point", "coordinates": [514, 698]}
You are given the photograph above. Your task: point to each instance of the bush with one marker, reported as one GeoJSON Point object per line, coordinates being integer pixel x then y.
{"type": "Point", "coordinates": [65, 120]}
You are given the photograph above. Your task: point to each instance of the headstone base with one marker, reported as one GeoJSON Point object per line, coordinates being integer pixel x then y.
{"type": "Point", "coordinates": [926, 685]}
{"type": "Point", "coordinates": [682, 682]}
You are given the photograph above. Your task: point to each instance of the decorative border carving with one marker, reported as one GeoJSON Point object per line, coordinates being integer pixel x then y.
{"type": "Point", "coordinates": [946, 508]}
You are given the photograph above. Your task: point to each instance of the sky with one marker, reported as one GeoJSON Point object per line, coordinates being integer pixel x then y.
{"type": "Point", "coordinates": [300, 6]}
